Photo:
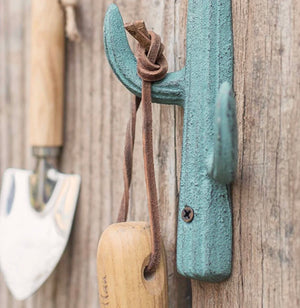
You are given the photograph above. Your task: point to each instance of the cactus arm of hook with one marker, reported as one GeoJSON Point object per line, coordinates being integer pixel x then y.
{"type": "Point", "coordinates": [170, 90]}
{"type": "Point", "coordinates": [223, 164]}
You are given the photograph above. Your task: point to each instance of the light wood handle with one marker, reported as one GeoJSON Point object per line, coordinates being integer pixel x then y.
{"type": "Point", "coordinates": [47, 73]}
{"type": "Point", "coordinates": [123, 253]}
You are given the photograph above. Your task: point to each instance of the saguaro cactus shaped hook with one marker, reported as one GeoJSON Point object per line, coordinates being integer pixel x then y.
{"type": "Point", "coordinates": [209, 150]}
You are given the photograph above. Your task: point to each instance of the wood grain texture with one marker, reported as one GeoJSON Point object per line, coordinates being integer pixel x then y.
{"type": "Point", "coordinates": [123, 253]}
{"type": "Point", "coordinates": [97, 108]}
{"type": "Point", "coordinates": [266, 199]}
{"type": "Point", "coordinates": [46, 73]}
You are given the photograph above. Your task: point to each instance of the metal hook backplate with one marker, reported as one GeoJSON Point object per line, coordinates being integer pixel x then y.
{"type": "Point", "coordinates": [209, 149]}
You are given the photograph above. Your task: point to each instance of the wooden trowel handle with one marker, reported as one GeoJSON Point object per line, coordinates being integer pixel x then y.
{"type": "Point", "coordinates": [123, 253]}
{"type": "Point", "coordinates": [47, 73]}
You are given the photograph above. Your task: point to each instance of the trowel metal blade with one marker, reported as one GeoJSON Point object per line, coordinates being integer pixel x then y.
{"type": "Point", "coordinates": [31, 242]}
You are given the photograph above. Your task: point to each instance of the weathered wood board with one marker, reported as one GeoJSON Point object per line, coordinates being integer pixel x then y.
{"type": "Point", "coordinates": [97, 108]}
{"type": "Point", "coordinates": [266, 200]}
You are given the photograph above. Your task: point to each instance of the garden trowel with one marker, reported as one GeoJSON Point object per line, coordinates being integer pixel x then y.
{"type": "Point", "coordinates": [37, 207]}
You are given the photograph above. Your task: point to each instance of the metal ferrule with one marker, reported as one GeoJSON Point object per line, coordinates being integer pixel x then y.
{"type": "Point", "coordinates": [41, 185]}
{"type": "Point", "coordinates": [44, 152]}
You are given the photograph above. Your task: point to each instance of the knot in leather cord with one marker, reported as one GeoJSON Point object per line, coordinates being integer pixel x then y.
{"type": "Point", "coordinates": [151, 66]}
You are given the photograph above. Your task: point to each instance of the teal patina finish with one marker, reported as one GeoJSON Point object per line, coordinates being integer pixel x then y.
{"type": "Point", "coordinates": [209, 150]}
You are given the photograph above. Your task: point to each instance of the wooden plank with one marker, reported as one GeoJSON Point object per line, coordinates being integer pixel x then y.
{"type": "Point", "coordinates": [266, 203]}
{"type": "Point", "coordinates": [97, 108]}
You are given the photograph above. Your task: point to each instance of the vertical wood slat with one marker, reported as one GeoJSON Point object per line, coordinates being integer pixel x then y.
{"type": "Point", "coordinates": [97, 108]}
{"type": "Point", "coordinates": [266, 201]}
{"type": "Point", "coordinates": [265, 195]}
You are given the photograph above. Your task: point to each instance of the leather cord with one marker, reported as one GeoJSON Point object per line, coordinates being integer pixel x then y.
{"type": "Point", "coordinates": [151, 66]}
{"type": "Point", "coordinates": [127, 164]}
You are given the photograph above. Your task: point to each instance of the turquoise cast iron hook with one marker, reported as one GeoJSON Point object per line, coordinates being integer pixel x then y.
{"type": "Point", "coordinates": [209, 150]}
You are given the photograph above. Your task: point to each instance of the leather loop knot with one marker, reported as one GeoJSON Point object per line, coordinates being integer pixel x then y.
{"type": "Point", "coordinates": [152, 64]}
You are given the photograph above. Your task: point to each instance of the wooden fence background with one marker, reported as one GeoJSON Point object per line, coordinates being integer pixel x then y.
{"type": "Point", "coordinates": [266, 194]}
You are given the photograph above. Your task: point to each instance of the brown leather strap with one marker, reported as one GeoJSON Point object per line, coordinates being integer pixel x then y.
{"type": "Point", "coordinates": [128, 155]}
{"type": "Point", "coordinates": [152, 66]}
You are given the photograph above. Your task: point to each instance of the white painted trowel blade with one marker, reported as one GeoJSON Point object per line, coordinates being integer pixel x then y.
{"type": "Point", "coordinates": [31, 242]}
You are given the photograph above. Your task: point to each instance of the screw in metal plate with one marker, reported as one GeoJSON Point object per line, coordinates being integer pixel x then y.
{"type": "Point", "coordinates": [187, 214]}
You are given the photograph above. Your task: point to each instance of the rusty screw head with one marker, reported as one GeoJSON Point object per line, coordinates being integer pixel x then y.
{"type": "Point", "coordinates": [187, 214]}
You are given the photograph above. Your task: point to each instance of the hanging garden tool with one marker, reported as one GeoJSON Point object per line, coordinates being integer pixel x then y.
{"type": "Point", "coordinates": [37, 208]}
{"type": "Point", "coordinates": [209, 149]}
{"type": "Point", "coordinates": [131, 260]}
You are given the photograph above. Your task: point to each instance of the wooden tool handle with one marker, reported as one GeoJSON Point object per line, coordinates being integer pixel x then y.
{"type": "Point", "coordinates": [123, 253]}
{"type": "Point", "coordinates": [47, 73]}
